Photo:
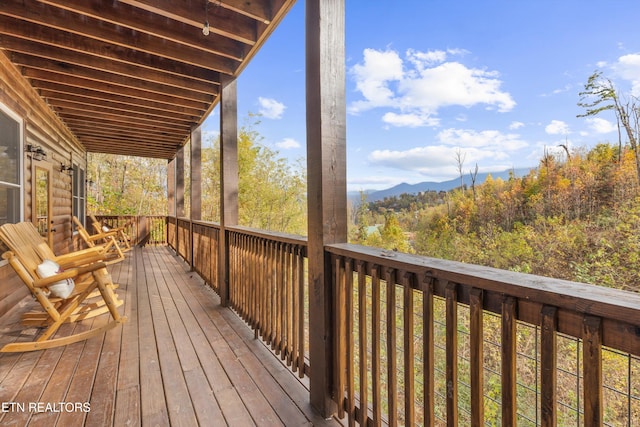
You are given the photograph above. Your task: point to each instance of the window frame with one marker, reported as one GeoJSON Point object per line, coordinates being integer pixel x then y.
{"type": "Point", "coordinates": [20, 185]}
{"type": "Point", "coordinates": [79, 193]}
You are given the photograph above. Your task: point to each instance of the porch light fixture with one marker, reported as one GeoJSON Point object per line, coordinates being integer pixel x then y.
{"type": "Point", "coordinates": [205, 27]}
{"type": "Point", "coordinates": [66, 169]}
{"type": "Point", "coordinates": [37, 152]}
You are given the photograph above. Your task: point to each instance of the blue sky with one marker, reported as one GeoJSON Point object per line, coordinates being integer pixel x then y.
{"type": "Point", "coordinates": [494, 82]}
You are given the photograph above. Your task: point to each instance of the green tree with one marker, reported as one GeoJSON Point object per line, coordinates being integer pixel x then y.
{"type": "Point", "coordinates": [124, 185]}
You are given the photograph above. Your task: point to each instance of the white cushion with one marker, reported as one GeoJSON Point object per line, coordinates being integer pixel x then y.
{"type": "Point", "coordinates": [62, 288]}
{"type": "Point", "coordinates": [105, 229]}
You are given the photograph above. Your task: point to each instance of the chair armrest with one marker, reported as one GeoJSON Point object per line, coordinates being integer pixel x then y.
{"type": "Point", "coordinates": [103, 234]}
{"type": "Point", "coordinates": [81, 257]}
{"type": "Point", "coordinates": [68, 274]}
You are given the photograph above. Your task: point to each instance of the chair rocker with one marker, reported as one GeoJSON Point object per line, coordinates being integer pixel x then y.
{"type": "Point", "coordinates": [109, 244]}
{"type": "Point", "coordinates": [120, 232]}
{"type": "Point", "coordinates": [63, 311]}
{"type": "Point", "coordinates": [29, 250]}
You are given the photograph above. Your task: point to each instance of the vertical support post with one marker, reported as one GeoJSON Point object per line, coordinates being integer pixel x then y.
{"type": "Point", "coordinates": [228, 178]}
{"type": "Point", "coordinates": [196, 173]}
{"type": "Point", "coordinates": [326, 180]}
{"type": "Point", "coordinates": [171, 187]}
{"type": "Point", "coordinates": [171, 197]}
{"type": "Point", "coordinates": [195, 185]}
{"type": "Point", "coordinates": [179, 193]}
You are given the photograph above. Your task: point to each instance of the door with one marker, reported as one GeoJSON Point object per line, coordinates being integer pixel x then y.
{"type": "Point", "coordinates": [42, 197]}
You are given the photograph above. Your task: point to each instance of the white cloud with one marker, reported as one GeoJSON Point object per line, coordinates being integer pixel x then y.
{"type": "Point", "coordinates": [557, 127]}
{"type": "Point", "coordinates": [486, 139]}
{"type": "Point", "coordinates": [373, 77]}
{"type": "Point", "coordinates": [515, 125]}
{"type": "Point", "coordinates": [439, 161]}
{"type": "Point", "coordinates": [599, 125]}
{"type": "Point", "coordinates": [628, 67]}
{"type": "Point", "coordinates": [287, 144]}
{"type": "Point", "coordinates": [414, 89]}
{"type": "Point", "coordinates": [270, 108]}
{"type": "Point", "coordinates": [409, 120]}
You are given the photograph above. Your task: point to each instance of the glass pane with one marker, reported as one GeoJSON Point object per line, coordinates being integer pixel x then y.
{"type": "Point", "coordinates": [42, 200]}
{"type": "Point", "coordinates": [9, 205]}
{"type": "Point", "coordinates": [9, 149]}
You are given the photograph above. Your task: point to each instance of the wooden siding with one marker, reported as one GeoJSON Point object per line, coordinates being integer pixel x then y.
{"type": "Point", "coordinates": [41, 128]}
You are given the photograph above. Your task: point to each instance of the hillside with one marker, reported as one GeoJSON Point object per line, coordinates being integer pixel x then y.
{"type": "Point", "coordinates": [404, 188]}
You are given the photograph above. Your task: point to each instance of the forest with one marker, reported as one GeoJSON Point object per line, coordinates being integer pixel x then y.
{"type": "Point", "coordinates": [575, 216]}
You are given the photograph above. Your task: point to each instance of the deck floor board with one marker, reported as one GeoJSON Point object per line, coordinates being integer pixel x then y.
{"type": "Point", "coordinates": [181, 359]}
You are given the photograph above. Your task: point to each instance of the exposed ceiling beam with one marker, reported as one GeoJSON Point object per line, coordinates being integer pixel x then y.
{"type": "Point", "coordinates": [222, 21]}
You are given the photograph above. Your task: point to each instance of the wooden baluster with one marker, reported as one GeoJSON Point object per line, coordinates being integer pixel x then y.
{"type": "Point", "coordinates": [476, 357]}
{"type": "Point", "coordinates": [428, 359]}
{"type": "Point", "coordinates": [362, 328]}
{"type": "Point", "coordinates": [341, 335]}
{"type": "Point", "coordinates": [392, 373]}
{"type": "Point", "coordinates": [409, 353]}
{"type": "Point", "coordinates": [451, 295]}
{"type": "Point", "coordinates": [278, 298]}
{"type": "Point", "coordinates": [548, 367]}
{"type": "Point", "coordinates": [301, 302]}
{"type": "Point", "coordinates": [375, 345]}
{"type": "Point", "coordinates": [295, 307]}
{"type": "Point", "coordinates": [509, 402]}
{"type": "Point", "coordinates": [289, 310]}
{"type": "Point", "coordinates": [351, 405]}
{"type": "Point", "coordinates": [592, 368]}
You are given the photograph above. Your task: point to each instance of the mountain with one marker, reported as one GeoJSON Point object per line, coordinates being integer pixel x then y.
{"type": "Point", "coordinates": [403, 188]}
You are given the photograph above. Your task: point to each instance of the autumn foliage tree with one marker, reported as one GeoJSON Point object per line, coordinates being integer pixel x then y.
{"type": "Point", "coordinates": [272, 192]}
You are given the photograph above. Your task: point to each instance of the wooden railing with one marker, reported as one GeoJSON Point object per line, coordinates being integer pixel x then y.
{"type": "Point", "coordinates": [470, 345]}
{"type": "Point", "coordinates": [148, 230]}
{"type": "Point", "coordinates": [467, 345]}
{"type": "Point", "coordinates": [267, 289]}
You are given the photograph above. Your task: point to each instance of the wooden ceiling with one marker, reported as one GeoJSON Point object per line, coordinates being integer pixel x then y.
{"type": "Point", "coordinates": [134, 76]}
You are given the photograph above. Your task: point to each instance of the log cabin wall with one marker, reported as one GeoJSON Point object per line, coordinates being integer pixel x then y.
{"type": "Point", "coordinates": [41, 127]}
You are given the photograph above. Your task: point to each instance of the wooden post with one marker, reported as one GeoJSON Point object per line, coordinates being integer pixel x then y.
{"type": "Point", "coordinates": [326, 180]}
{"type": "Point", "coordinates": [228, 178]}
{"type": "Point", "coordinates": [179, 193]}
{"type": "Point", "coordinates": [196, 173]}
{"type": "Point", "coordinates": [171, 187]}
{"type": "Point", "coordinates": [195, 185]}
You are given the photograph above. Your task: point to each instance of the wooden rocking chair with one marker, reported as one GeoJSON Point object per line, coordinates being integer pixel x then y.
{"type": "Point", "coordinates": [85, 267]}
{"type": "Point", "coordinates": [109, 244]}
{"type": "Point", "coordinates": [120, 232]}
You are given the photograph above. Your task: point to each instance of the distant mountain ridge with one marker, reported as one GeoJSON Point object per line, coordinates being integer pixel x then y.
{"type": "Point", "coordinates": [435, 186]}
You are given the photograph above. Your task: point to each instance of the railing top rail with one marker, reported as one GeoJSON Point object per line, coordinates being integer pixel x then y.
{"type": "Point", "coordinates": [212, 224]}
{"type": "Point", "coordinates": [271, 235]}
{"type": "Point", "coordinates": [608, 303]}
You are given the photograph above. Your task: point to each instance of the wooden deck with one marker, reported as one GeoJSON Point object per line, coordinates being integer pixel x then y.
{"type": "Point", "coordinates": [181, 359]}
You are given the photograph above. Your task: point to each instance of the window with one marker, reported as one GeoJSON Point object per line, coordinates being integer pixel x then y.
{"type": "Point", "coordinates": [79, 194]}
{"type": "Point", "coordinates": [10, 167]}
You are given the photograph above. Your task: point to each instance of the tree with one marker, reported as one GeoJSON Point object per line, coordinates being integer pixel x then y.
{"type": "Point", "coordinates": [460, 157]}
{"type": "Point", "coordinates": [272, 192]}
{"type": "Point", "coordinates": [600, 95]}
